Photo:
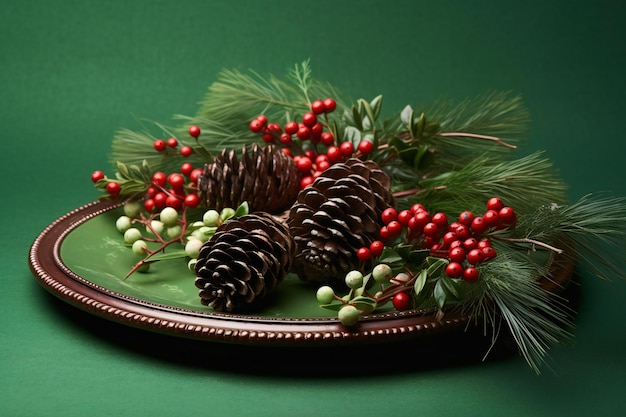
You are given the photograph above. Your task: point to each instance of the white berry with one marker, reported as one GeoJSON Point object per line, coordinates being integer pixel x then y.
{"type": "Point", "coordinates": [132, 235]}
{"type": "Point", "coordinates": [169, 216]}
{"type": "Point", "coordinates": [123, 223]}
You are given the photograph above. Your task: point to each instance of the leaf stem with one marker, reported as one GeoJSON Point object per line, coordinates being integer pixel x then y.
{"type": "Point", "coordinates": [528, 240]}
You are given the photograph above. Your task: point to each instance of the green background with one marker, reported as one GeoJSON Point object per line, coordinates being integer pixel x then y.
{"type": "Point", "coordinates": [73, 72]}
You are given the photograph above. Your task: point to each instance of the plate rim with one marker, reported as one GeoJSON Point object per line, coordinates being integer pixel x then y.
{"type": "Point", "coordinates": [57, 278]}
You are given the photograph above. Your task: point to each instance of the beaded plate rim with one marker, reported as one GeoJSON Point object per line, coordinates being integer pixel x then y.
{"type": "Point", "coordinates": [58, 279]}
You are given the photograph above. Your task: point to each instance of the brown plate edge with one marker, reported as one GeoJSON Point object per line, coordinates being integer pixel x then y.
{"type": "Point", "coordinates": [59, 280]}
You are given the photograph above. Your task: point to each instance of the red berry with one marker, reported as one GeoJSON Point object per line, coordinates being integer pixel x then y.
{"type": "Point", "coordinates": [384, 233]}
{"type": "Point", "coordinates": [172, 142]}
{"type": "Point", "coordinates": [330, 105]}
{"type": "Point", "coordinates": [457, 254]}
{"type": "Point", "coordinates": [316, 131]}
{"type": "Point", "coordinates": [448, 238]}
{"type": "Point", "coordinates": [418, 207]}
{"type": "Point", "coordinates": [478, 225]}
{"type": "Point", "coordinates": [463, 232]}
{"type": "Point", "coordinates": [159, 200]}
{"type": "Point", "coordinates": [507, 216]}
{"type": "Point", "coordinates": [159, 145]}
{"type": "Point", "coordinates": [113, 188]}
{"type": "Point", "coordinates": [470, 274]}
{"type": "Point", "coordinates": [176, 180]}
{"type": "Point", "coordinates": [321, 158]}
{"type": "Point", "coordinates": [303, 133]}
{"type": "Point", "coordinates": [475, 256]}
{"type": "Point", "coordinates": [366, 147]}
{"type": "Point", "coordinates": [494, 203]}
{"type": "Point", "coordinates": [257, 126]}
{"type": "Point", "coordinates": [159, 178]}
{"type": "Point", "coordinates": [309, 153]}
{"type": "Point", "coordinates": [174, 202]}
{"type": "Point", "coordinates": [431, 230]}
{"type": "Point", "coordinates": [309, 119]}
{"type": "Point", "coordinates": [285, 138]}
{"type": "Point", "coordinates": [484, 243]}
{"type": "Point", "coordinates": [377, 247]}
{"type": "Point", "coordinates": [287, 151]}
{"type": "Point", "coordinates": [323, 165]}
{"type": "Point", "coordinates": [327, 138]}
{"type": "Point", "coordinates": [186, 151]}
{"type": "Point", "coordinates": [274, 129]}
{"type": "Point", "coordinates": [470, 243]}
{"type": "Point", "coordinates": [404, 216]}
{"type": "Point", "coordinates": [491, 218]}
{"type": "Point", "coordinates": [488, 253]}
{"type": "Point", "coordinates": [346, 148]}
{"type": "Point", "coordinates": [388, 215]}
{"type": "Point", "coordinates": [149, 205]}
{"type": "Point", "coordinates": [268, 138]}
{"type": "Point", "coordinates": [334, 154]}
{"type": "Point", "coordinates": [194, 131]}
{"type": "Point", "coordinates": [304, 165]}
{"type": "Point", "coordinates": [421, 219]}
{"type": "Point", "coordinates": [291, 128]}
{"type": "Point", "coordinates": [440, 219]}
{"type": "Point", "coordinates": [151, 191]}
{"type": "Point", "coordinates": [262, 118]}
{"type": "Point", "coordinates": [428, 242]}
{"type": "Point", "coordinates": [363, 254]}
{"type": "Point", "coordinates": [466, 218]}
{"type": "Point", "coordinates": [306, 181]}
{"type": "Point", "coordinates": [186, 169]}
{"type": "Point", "coordinates": [456, 244]}
{"type": "Point", "coordinates": [97, 176]}
{"type": "Point", "coordinates": [454, 270]}
{"type": "Point", "coordinates": [195, 174]}
{"type": "Point", "coordinates": [318, 107]}
{"type": "Point", "coordinates": [192, 200]}
{"type": "Point", "coordinates": [401, 301]}
{"type": "Point", "coordinates": [395, 228]}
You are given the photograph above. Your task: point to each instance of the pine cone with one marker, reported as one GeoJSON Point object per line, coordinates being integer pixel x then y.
{"type": "Point", "coordinates": [335, 216]}
{"type": "Point", "coordinates": [243, 262]}
{"type": "Point", "coordinates": [263, 176]}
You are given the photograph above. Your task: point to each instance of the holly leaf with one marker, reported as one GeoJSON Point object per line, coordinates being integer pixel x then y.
{"type": "Point", "coordinates": [420, 282]}
{"type": "Point", "coordinates": [440, 294]}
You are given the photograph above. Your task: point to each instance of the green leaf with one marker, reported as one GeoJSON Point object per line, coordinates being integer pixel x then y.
{"type": "Point", "coordinates": [376, 105]}
{"type": "Point", "coordinates": [242, 210]}
{"type": "Point", "coordinates": [390, 256]}
{"type": "Point", "coordinates": [166, 256]}
{"type": "Point", "coordinates": [435, 265]}
{"type": "Point", "coordinates": [406, 115]}
{"type": "Point", "coordinates": [440, 294]}
{"type": "Point", "coordinates": [420, 282]}
{"type": "Point", "coordinates": [356, 118]}
{"type": "Point", "coordinates": [352, 134]}
{"type": "Point", "coordinates": [363, 302]}
{"type": "Point", "coordinates": [334, 306]}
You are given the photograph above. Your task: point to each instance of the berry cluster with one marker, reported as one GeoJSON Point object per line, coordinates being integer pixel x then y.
{"type": "Point", "coordinates": [464, 242]}
{"type": "Point", "coordinates": [176, 190]}
{"type": "Point", "coordinates": [301, 140]}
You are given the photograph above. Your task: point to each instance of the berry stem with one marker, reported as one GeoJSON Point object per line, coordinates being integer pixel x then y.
{"type": "Point", "coordinates": [528, 240]}
{"type": "Point", "coordinates": [477, 136]}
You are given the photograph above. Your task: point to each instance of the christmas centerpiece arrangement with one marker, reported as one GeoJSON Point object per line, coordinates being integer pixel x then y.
{"type": "Point", "coordinates": [425, 208]}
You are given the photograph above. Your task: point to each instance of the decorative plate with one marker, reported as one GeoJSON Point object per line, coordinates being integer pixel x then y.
{"type": "Point", "coordinates": [81, 259]}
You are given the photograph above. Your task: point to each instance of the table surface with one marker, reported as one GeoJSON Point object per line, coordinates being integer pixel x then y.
{"type": "Point", "coordinates": [74, 72]}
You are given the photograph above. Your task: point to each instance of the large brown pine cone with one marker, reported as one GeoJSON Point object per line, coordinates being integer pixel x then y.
{"type": "Point", "coordinates": [243, 262]}
{"type": "Point", "coordinates": [335, 216]}
{"type": "Point", "coordinates": [263, 176]}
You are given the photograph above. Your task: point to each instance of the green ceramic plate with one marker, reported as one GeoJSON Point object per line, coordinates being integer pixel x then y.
{"type": "Point", "coordinates": [81, 259]}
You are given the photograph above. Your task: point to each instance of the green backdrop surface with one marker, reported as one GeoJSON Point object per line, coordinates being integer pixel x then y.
{"type": "Point", "coordinates": [73, 72]}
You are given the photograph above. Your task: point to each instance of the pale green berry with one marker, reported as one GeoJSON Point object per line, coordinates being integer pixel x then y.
{"type": "Point", "coordinates": [204, 233]}
{"type": "Point", "coordinates": [226, 214]}
{"type": "Point", "coordinates": [191, 265]}
{"type": "Point", "coordinates": [354, 279]}
{"type": "Point", "coordinates": [132, 209]}
{"type": "Point", "coordinates": [169, 216]}
{"type": "Point", "coordinates": [144, 268]}
{"type": "Point", "coordinates": [132, 235]}
{"type": "Point", "coordinates": [211, 218]}
{"type": "Point", "coordinates": [139, 248]}
{"type": "Point", "coordinates": [192, 248]}
{"type": "Point", "coordinates": [157, 226]}
{"type": "Point", "coordinates": [196, 225]}
{"type": "Point", "coordinates": [325, 295]}
{"type": "Point", "coordinates": [348, 315]}
{"type": "Point", "coordinates": [123, 223]}
{"type": "Point", "coordinates": [382, 273]}
{"type": "Point", "coordinates": [173, 232]}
